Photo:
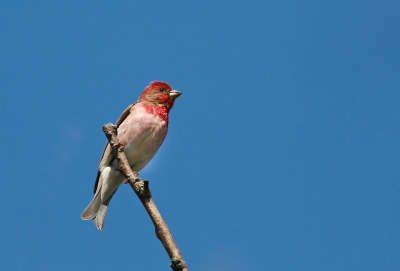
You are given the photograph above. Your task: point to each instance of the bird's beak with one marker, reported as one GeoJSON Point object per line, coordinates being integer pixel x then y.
{"type": "Point", "coordinates": [174, 94]}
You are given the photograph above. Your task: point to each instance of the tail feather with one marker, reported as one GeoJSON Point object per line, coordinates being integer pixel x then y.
{"type": "Point", "coordinates": [100, 216]}
{"type": "Point", "coordinates": [92, 208]}
{"type": "Point", "coordinates": [97, 210]}
{"type": "Point", "coordinates": [101, 213]}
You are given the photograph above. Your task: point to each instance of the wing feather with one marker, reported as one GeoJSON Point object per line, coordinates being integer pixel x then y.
{"type": "Point", "coordinates": [108, 156]}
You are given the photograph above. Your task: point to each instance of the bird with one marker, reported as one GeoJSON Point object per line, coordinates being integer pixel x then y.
{"type": "Point", "coordinates": [141, 128]}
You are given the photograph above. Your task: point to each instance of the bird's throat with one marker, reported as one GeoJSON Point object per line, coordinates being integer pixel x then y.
{"type": "Point", "coordinates": [158, 110]}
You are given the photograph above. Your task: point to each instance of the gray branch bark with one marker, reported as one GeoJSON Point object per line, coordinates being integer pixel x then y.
{"type": "Point", "coordinates": [142, 190]}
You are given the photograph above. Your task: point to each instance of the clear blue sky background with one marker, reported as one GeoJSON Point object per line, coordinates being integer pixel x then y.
{"type": "Point", "coordinates": [283, 151]}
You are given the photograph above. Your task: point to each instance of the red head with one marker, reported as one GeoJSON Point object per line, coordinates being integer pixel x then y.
{"type": "Point", "coordinates": [159, 93]}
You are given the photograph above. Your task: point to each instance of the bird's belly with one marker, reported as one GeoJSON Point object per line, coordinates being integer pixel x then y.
{"type": "Point", "coordinates": [142, 139]}
{"type": "Point", "coordinates": [139, 155]}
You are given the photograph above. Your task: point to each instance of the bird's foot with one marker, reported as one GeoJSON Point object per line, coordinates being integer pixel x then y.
{"type": "Point", "coordinates": [119, 146]}
{"type": "Point", "coordinates": [135, 176]}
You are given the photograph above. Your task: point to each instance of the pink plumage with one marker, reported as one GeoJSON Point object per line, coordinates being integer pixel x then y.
{"type": "Point", "coordinates": [142, 128]}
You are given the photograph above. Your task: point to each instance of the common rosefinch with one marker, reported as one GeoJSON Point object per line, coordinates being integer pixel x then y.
{"type": "Point", "coordinates": [142, 128]}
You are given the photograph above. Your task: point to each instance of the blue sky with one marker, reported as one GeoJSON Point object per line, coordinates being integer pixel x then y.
{"type": "Point", "coordinates": [282, 154]}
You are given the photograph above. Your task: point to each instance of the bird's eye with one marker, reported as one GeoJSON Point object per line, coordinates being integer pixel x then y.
{"type": "Point", "coordinates": [163, 89]}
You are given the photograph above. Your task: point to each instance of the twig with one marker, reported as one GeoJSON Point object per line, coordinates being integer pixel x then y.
{"type": "Point", "coordinates": [142, 190]}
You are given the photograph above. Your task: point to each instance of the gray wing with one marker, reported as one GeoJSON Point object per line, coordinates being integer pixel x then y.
{"type": "Point", "coordinates": [107, 157]}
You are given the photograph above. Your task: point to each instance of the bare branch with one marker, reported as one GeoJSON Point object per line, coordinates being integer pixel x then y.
{"type": "Point", "coordinates": [142, 190]}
